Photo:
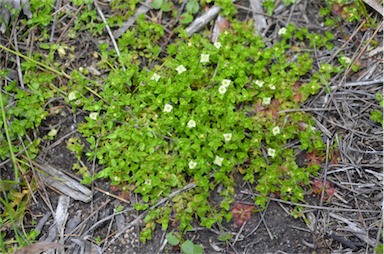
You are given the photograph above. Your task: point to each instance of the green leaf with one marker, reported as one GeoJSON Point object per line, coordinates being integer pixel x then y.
{"type": "Point", "coordinates": [44, 45]}
{"type": "Point", "coordinates": [225, 237]}
{"type": "Point", "coordinates": [172, 239]}
{"type": "Point", "coordinates": [186, 18]}
{"type": "Point", "coordinates": [167, 6]}
{"type": "Point", "coordinates": [188, 247]}
{"type": "Point", "coordinates": [192, 6]}
{"type": "Point", "coordinates": [156, 4]}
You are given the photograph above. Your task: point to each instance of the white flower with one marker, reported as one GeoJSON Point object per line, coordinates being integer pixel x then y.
{"type": "Point", "coordinates": [72, 96]}
{"type": "Point", "coordinates": [167, 108]}
{"type": "Point", "coordinates": [346, 59]}
{"type": "Point", "coordinates": [266, 101]}
{"type": "Point", "coordinates": [276, 130]}
{"type": "Point", "coordinates": [222, 89]}
{"type": "Point", "coordinates": [272, 87]}
{"type": "Point", "coordinates": [204, 58]}
{"type": "Point", "coordinates": [259, 83]}
{"type": "Point", "coordinates": [282, 31]}
{"type": "Point", "coordinates": [180, 69]}
{"type": "Point", "coordinates": [271, 152]}
{"type": "Point", "coordinates": [155, 77]}
{"type": "Point", "coordinates": [191, 124]}
{"type": "Point", "coordinates": [93, 115]}
{"type": "Point", "coordinates": [226, 82]}
{"type": "Point", "coordinates": [218, 161]}
{"type": "Point", "coordinates": [217, 45]}
{"type": "Point", "coordinates": [227, 136]}
{"type": "Point", "coordinates": [192, 164]}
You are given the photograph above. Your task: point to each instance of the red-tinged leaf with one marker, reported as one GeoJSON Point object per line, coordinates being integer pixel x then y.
{"type": "Point", "coordinates": [241, 213]}
{"type": "Point", "coordinates": [343, 10]}
{"type": "Point", "coordinates": [329, 191]}
{"type": "Point", "coordinates": [335, 157]}
{"type": "Point", "coordinates": [313, 159]}
{"type": "Point", "coordinates": [270, 110]}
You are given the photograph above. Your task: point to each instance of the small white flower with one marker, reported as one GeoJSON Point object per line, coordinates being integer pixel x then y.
{"type": "Point", "coordinates": [155, 77]}
{"type": "Point", "coordinates": [93, 115]}
{"type": "Point", "coordinates": [282, 31]}
{"type": "Point", "coordinates": [227, 136]}
{"type": "Point", "coordinates": [222, 89]}
{"type": "Point", "coordinates": [266, 101]}
{"type": "Point", "coordinates": [226, 82]}
{"type": "Point", "coordinates": [272, 87]}
{"type": "Point", "coordinates": [189, 44]}
{"type": "Point", "coordinates": [167, 108]}
{"type": "Point", "coordinates": [259, 83]}
{"type": "Point", "coordinates": [191, 124]}
{"type": "Point", "coordinates": [192, 164]}
{"type": "Point", "coordinates": [180, 69]}
{"type": "Point", "coordinates": [346, 59]}
{"type": "Point", "coordinates": [217, 45]}
{"type": "Point", "coordinates": [218, 161]}
{"type": "Point", "coordinates": [72, 96]}
{"type": "Point", "coordinates": [276, 130]}
{"type": "Point", "coordinates": [271, 152]}
{"type": "Point", "coordinates": [204, 58]}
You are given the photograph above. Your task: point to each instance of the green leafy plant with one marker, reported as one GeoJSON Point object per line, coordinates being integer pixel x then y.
{"type": "Point", "coordinates": [203, 113]}
{"type": "Point", "coordinates": [163, 5]}
{"type": "Point", "coordinates": [192, 7]}
{"type": "Point", "coordinates": [269, 5]}
{"type": "Point", "coordinates": [336, 11]}
{"type": "Point", "coordinates": [187, 247]}
{"type": "Point", "coordinates": [199, 113]}
{"type": "Point", "coordinates": [377, 114]}
{"type": "Point", "coordinates": [22, 109]}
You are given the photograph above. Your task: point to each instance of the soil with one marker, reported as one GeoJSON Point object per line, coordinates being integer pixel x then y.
{"type": "Point", "coordinates": [273, 230]}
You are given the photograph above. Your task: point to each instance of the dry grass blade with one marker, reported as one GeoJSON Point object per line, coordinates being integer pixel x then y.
{"type": "Point", "coordinates": [376, 5]}
{"type": "Point", "coordinates": [5, 13]}
{"type": "Point", "coordinates": [203, 20]}
{"type": "Point", "coordinates": [142, 9]}
{"type": "Point", "coordinates": [37, 248]}
{"type": "Point", "coordinates": [260, 22]}
{"type": "Point", "coordinates": [64, 183]}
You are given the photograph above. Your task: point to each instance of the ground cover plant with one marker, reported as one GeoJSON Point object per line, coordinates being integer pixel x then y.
{"type": "Point", "coordinates": [161, 115]}
{"type": "Point", "coordinates": [202, 112]}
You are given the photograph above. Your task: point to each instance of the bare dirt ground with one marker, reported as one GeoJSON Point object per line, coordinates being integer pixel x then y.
{"type": "Point", "coordinates": [351, 222]}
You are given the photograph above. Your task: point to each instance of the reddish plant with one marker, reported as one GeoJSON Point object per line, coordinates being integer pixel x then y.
{"type": "Point", "coordinates": [241, 213]}
{"type": "Point", "coordinates": [269, 110]}
{"type": "Point", "coordinates": [313, 159]}
{"type": "Point", "coordinates": [335, 157]}
{"type": "Point", "coordinates": [329, 191]}
{"type": "Point", "coordinates": [297, 96]}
